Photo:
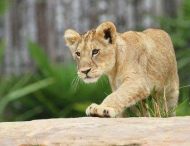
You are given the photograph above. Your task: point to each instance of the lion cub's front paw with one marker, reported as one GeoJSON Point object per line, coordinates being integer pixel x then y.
{"type": "Point", "coordinates": [95, 110]}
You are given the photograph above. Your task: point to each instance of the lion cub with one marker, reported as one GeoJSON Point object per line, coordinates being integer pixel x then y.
{"type": "Point", "coordinates": [135, 62]}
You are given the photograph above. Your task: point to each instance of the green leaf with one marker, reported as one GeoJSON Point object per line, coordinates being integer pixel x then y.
{"type": "Point", "coordinates": [183, 109]}
{"type": "Point", "coordinates": [2, 49]}
{"type": "Point", "coordinates": [40, 58]}
{"type": "Point", "coordinates": [183, 62]}
{"type": "Point", "coordinates": [3, 6]}
{"type": "Point", "coordinates": [14, 95]}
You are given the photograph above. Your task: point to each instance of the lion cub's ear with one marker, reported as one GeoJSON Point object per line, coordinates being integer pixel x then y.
{"type": "Point", "coordinates": [71, 37]}
{"type": "Point", "coordinates": [106, 32]}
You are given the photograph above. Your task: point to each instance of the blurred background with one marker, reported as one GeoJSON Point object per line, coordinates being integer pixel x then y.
{"type": "Point", "coordinates": [37, 75]}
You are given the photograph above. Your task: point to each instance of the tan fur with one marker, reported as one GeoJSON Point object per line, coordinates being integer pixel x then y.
{"type": "Point", "coordinates": [135, 63]}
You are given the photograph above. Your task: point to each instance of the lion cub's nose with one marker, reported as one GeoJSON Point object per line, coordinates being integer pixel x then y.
{"type": "Point", "coordinates": [85, 71]}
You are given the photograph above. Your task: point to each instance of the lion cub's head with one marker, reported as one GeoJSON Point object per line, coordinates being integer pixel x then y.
{"type": "Point", "coordinates": [93, 51]}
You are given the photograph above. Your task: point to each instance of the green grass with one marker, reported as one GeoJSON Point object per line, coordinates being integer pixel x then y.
{"type": "Point", "coordinates": [157, 107]}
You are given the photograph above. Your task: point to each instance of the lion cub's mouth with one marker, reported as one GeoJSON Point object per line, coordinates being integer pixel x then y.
{"type": "Point", "coordinates": [89, 79]}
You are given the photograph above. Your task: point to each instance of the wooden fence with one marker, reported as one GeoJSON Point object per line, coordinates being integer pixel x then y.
{"type": "Point", "coordinates": [44, 22]}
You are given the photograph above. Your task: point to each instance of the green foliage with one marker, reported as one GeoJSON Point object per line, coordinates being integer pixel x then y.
{"type": "Point", "coordinates": [184, 108]}
{"type": "Point", "coordinates": [150, 107]}
{"type": "Point", "coordinates": [16, 94]}
{"type": "Point", "coordinates": [2, 48]}
{"type": "Point", "coordinates": [178, 29]}
{"type": "Point", "coordinates": [3, 6]}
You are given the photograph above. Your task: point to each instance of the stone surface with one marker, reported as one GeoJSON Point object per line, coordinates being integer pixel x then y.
{"type": "Point", "coordinates": [91, 131]}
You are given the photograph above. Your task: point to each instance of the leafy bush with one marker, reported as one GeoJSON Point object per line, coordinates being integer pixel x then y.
{"type": "Point", "coordinates": [178, 29]}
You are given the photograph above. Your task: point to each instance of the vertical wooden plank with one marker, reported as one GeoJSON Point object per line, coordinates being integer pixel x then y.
{"type": "Point", "coordinates": [137, 4]}
{"type": "Point", "coordinates": [30, 21]}
{"type": "Point", "coordinates": [107, 10]}
{"type": "Point", "coordinates": [147, 15]}
{"type": "Point", "coordinates": [93, 14]}
{"type": "Point", "coordinates": [158, 7]}
{"type": "Point", "coordinates": [13, 37]}
{"type": "Point", "coordinates": [170, 8]}
{"type": "Point", "coordinates": [157, 11]}
{"type": "Point", "coordinates": [84, 23]}
{"type": "Point", "coordinates": [121, 19]}
{"type": "Point", "coordinates": [76, 13]}
{"type": "Point", "coordinates": [17, 29]}
{"type": "Point", "coordinates": [72, 13]}
{"type": "Point", "coordinates": [51, 38]}
{"type": "Point", "coordinates": [8, 42]}
{"type": "Point", "coordinates": [29, 33]}
{"type": "Point", "coordinates": [130, 14]}
{"type": "Point", "coordinates": [15, 32]}
{"type": "Point", "coordinates": [24, 37]}
{"type": "Point", "coordinates": [67, 23]}
{"type": "Point", "coordinates": [41, 21]}
{"type": "Point", "coordinates": [59, 30]}
{"type": "Point", "coordinates": [2, 33]}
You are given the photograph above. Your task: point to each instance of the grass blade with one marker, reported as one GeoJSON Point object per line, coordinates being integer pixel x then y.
{"type": "Point", "coordinates": [23, 92]}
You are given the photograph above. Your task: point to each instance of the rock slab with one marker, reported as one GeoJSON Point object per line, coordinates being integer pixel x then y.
{"type": "Point", "coordinates": [90, 131]}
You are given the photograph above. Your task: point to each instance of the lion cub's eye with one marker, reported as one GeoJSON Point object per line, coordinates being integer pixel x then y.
{"type": "Point", "coordinates": [95, 51]}
{"type": "Point", "coordinates": [77, 53]}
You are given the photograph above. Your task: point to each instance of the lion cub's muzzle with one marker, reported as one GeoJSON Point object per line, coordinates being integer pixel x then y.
{"type": "Point", "coordinates": [85, 71]}
{"type": "Point", "coordinates": [84, 74]}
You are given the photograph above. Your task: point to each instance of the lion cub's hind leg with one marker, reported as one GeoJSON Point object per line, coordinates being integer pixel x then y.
{"type": "Point", "coordinates": [172, 100]}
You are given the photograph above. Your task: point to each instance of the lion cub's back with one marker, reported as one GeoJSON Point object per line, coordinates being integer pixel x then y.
{"type": "Point", "coordinates": [163, 44]}
{"type": "Point", "coordinates": [164, 55]}
{"type": "Point", "coordinates": [160, 37]}
{"type": "Point", "coordinates": [161, 61]}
